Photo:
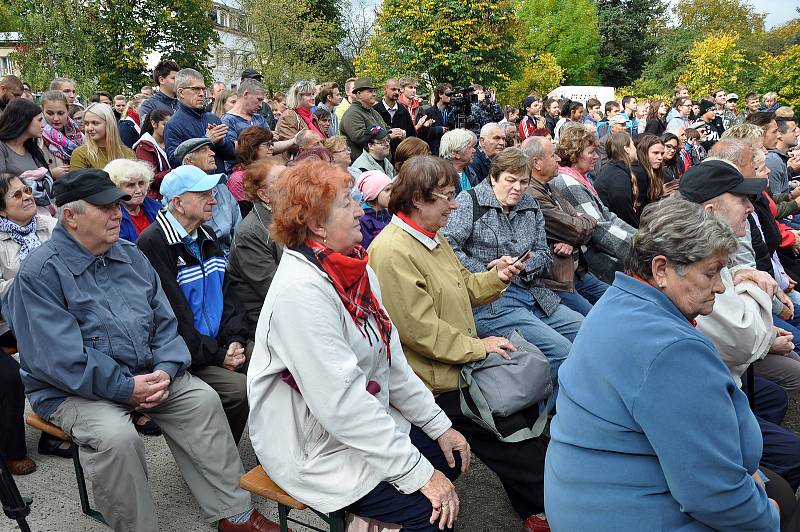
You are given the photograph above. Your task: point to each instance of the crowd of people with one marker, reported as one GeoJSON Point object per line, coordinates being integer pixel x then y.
{"type": "Point", "coordinates": [325, 268]}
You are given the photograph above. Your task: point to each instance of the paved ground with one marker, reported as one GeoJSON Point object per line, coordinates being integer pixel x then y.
{"type": "Point", "coordinates": [56, 508]}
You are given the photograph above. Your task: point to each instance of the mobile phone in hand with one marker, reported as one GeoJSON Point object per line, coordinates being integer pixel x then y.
{"type": "Point", "coordinates": [525, 256]}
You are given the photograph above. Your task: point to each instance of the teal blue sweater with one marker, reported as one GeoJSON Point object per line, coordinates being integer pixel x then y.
{"type": "Point", "coordinates": [651, 433]}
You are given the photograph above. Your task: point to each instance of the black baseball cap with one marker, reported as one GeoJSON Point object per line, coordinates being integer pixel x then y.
{"type": "Point", "coordinates": [706, 106]}
{"type": "Point", "coordinates": [250, 73]}
{"type": "Point", "coordinates": [373, 133]}
{"type": "Point", "coordinates": [710, 179]}
{"type": "Point", "coordinates": [89, 184]}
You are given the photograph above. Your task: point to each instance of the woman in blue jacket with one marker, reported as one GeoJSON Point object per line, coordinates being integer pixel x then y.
{"type": "Point", "coordinates": [652, 433]}
{"type": "Point", "coordinates": [133, 177]}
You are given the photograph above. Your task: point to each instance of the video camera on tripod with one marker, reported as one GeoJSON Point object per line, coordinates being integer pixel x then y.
{"type": "Point", "coordinates": [15, 506]}
{"type": "Point", "coordinates": [461, 99]}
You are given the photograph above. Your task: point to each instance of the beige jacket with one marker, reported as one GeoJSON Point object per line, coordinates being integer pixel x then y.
{"type": "Point", "coordinates": [9, 256]}
{"type": "Point", "coordinates": [332, 442]}
{"type": "Point", "coordinates": [430, 296]}
{"type": "Point", "coordinates": [740, 325]}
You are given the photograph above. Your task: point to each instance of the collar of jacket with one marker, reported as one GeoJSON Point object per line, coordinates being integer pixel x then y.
{"type": "Point", "coordinates": [643, 290]}
{"type": "Point", "coordinates": [430, 243]}
{"type": "Point", "coordinates": [780, 153]}
{"type": "Point", "coordinates": [76, 257]}
{"type": "Point", "coordinates": [197, 113]}
{"type": "Point", "coordinates": [171, 234]}
{"type": "Point", "coordinates": [486, 198]}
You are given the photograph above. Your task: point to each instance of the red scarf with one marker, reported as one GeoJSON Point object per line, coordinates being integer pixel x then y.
{"type": "Point", "coordinates": [134, 114]}
{"type": "Point", "coordinates": [414, 225]}
{"type": "Point", "coordinates": [308, 118]}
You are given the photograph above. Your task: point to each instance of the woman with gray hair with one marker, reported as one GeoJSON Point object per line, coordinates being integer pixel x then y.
{"type": "Point", "coordinates": [133, 178]}
{"type": "Point", "coordinates": [458, 147]}
{"type": "Point", "coordinates": [630, 446]}
{"type": "Point", "coordinates": [298, 115]}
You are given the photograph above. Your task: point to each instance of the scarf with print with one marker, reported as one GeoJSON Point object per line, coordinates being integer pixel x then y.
{"type": "Point", "coordinates": [24, 236]}
{"type": "Point", "coordinates": [61, 144]}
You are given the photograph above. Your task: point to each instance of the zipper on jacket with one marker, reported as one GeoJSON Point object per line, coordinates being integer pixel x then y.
{"type": "Point", "coordinates": [94, 340]}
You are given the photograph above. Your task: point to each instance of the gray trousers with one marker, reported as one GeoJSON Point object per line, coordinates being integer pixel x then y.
{"type": "Point", "coordinates": [232, 389]}
{"type": "Point", "coordinates": [782, 370]}
{"type": "Point", "coordinates": [112, 454]}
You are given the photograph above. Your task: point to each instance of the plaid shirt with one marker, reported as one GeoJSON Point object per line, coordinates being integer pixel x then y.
{"type": "Point", "coordinates": [495, 234]}
{"type": "Point", "coordinates": [611, 239]}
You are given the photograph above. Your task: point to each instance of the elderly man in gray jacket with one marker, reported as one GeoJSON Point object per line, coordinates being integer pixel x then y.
{"type": "Point", "coordinates": [98, 339]}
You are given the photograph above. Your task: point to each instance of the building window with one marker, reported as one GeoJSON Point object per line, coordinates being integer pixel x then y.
{"type": "Point", "coordinates": [6, 66]}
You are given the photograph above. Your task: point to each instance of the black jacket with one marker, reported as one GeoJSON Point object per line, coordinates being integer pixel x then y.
{"type": "Point", "coordinates": [613, 185]}
{"type": "Point", "coordinates": [402, 120]}
{"type": "Point", "coordinates": [481, 164]}
{"type": "Point", "coordinates": [169, 255]}
{"type": "Point", "coordinates": [441, 119]}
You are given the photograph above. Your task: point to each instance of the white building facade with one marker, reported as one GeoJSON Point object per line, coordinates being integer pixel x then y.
{"type": "Point", "coordinates": [235, 52]}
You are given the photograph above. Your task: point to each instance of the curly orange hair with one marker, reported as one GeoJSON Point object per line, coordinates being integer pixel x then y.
{"type": "Point", "coordinates": [303, 196]}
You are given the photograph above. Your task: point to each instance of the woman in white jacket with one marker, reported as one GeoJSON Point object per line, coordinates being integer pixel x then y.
{"type": "Point", "coordinates": [338, 419]}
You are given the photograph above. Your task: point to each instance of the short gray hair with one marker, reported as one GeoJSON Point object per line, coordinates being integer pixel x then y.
{"type": "Point", "coordinates": [250, 85]}
{"type": "Point", "coordinates": [732, 150]}
{"type": "Point", "coordinates": [533, 147]}
{"type": "Point", "coordinates": [77, 206]}
{"type": "Point", "coordinates": [456, 141]}
{"type": "Point", "coordinates": [124, 171]}
{"type": "Point", "coordinates": [744, 131]}
{"type": "Point", "coordinates": [487, 129]}
{"type": "Point", "coordinates": [185, 77]}
{"type": "Point", "coordinates": [681, 231]}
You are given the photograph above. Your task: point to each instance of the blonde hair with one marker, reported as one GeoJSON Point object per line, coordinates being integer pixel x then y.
{"type": "Point", "coordinates": [113, 144]}
{"type": "Point", "coordinates": [122, 171]}
{"type": "Point", "coordinates": [298, 88]}
{"type": "Point", "coordinates": [134, 103]}
{"type": "Point", "coordinates": [335, 143]}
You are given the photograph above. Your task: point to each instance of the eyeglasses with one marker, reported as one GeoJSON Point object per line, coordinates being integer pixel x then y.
{"type": "Point", "coordinates": [449, 198]}
{"type": "Point", "coordinates": [194, 88]}
{"type": "Point", "coordinates": [670, 147]}
{"type": "Point", "coordinates": [20, 191]}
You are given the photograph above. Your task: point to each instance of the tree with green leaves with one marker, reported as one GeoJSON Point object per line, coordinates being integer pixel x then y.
{"type": "Point", "coordinates": [443, 40]}
{"type": "Point", "coordinates": [185, 32]}
{"type": "Point", "coordinates": [567, 30]}
{"type": "Point", "coordinates": [628, 30]}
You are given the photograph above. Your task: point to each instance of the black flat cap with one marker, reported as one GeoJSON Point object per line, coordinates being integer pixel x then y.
{"type": "Point", "coordinates": [89, 184]}
{"type": "Point", "coordinates": [710, 179]}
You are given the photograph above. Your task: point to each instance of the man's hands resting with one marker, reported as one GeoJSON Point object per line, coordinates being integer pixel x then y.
{"type": "Point", "coordinates": [234, 357]}
{"type": "Point", "coordinates": [149, 390]}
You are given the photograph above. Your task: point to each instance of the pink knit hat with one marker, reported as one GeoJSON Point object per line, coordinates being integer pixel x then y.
{"type": "Point", "coordinates": [371, 183]}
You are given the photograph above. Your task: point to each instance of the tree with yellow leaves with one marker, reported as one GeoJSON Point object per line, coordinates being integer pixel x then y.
{"type": "Point", "coordinates": [443, 40]}
{"type": "Point", "coordinates": [715, 61]}
{"type": "Point", "coordinates": [781, 74]}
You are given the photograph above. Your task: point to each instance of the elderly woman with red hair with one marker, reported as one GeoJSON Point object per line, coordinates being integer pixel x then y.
{"type": "Point", "coordinates": [254, 144]}
{"type": "Point", "coordinates": [326, 363]}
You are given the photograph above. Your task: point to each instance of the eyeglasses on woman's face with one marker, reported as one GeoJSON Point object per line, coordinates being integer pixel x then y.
{"type": "Point", "coordinates": [17, 194]}
{"type": "Point", "coordinates": [671, 147]}
{"type": "Point", "coordinates": [449, 197]}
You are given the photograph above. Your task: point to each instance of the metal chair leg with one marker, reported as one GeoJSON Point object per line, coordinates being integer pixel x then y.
{"type": "Point", "coordinates": [336, 521]}
{"type": "Point", "coordinates": [283, 514]}
{"type": "Point", "coordinates": [82, 491]}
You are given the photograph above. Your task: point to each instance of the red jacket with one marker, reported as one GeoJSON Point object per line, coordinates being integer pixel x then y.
{"type": "Point", "coordinates": [788, 238]}
{"type": "Point", "coordinates": [146, 151]}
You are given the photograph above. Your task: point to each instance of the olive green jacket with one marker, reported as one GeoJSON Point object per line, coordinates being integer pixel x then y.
{"type": "Point", "coordinates": [430, 296]}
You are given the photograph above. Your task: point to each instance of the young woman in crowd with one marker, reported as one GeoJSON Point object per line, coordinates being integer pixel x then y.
{"type": "Point", "coordinates": [408, 148]}
{"type": "Point", "coordinates": [60, 133]}
{"type": "Point", "coordinates": [650, 170]}
{"type": "Point", "coordinates": [76, 112]}
{"type": "Point", "coordinates": [673, 164]}
{"type": "Point", "coordinates": [616, 184]}
{"type": "Point", "coordinates": [673, 443]}
{"type": "Point", "coordinates": [224, 102]}
{"type": "Point", "coordinates": [254, 144]}
{"type": "Point", "coordinates": [130, 125]}
{"type": "Point", "coordinates": [374, 459]}
{"type": "Point", "coordinates": [21, 231]}
{"type": "Point", "coordinates": [680, 118]}
{"type": "Point", "coordinates": [20, 154]}
{"type": "Point", "coordinates": [551, 110]}
{"type": "Point", "coordinates": [150, 147]}
{"type": "Point", "coordinates": [102, 140]}
{"type": "Point", "coordinates": [642, 113]}
{"type": "Point", "coordinates": [656, 118]}
{"type": "Point", "coordinates": [571, 112]}
{"type": "Point", "coordinates": [375, 187]}
{"type": "Point", "coordinates": [133, 178]}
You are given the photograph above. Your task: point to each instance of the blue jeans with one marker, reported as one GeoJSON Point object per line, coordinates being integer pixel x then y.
{"type": "Point", "coordinates": [517, 310]}
{"type": "Point", "coordinates": [412, 511]}
{"type": "Point", "coordinates": [587, 292]}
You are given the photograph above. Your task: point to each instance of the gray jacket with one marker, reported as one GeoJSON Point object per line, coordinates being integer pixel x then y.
{"type": "Point", "coordinates": [86, 325]}
{"type": "Point", "coordinates": [778, 171]}
{"type": "Point", "coordinates": [478, 242]}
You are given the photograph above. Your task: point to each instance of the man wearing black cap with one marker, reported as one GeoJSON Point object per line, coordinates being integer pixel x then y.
{"type": "Point", "coordinates": [99, 340]}
{"type": "Point", "coordinates": [376, 152]}
{"type": "Point", "coordinates": [360, 116]}
{"type": "Point", "coordinates": [740, 325]}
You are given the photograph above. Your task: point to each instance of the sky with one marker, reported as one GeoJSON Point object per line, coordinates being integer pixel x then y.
{"type": "Point", "coordinates": [779, 11]}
